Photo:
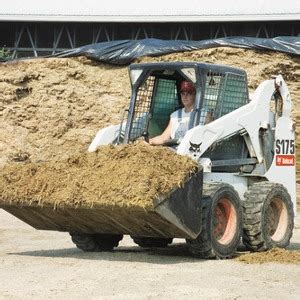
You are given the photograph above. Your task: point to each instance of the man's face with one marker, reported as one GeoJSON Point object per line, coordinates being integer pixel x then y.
{"type": "Point", "coordinates": [188, 99]}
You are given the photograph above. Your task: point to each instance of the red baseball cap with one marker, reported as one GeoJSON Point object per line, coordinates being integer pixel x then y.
{"type": "Point", "coordinates": [187, 86]}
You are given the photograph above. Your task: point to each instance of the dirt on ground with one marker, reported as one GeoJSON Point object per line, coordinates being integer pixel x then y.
{"type": "Point", "coordinates": [89, 179]}
{"type": "Point", "coordinates": [275, 255]}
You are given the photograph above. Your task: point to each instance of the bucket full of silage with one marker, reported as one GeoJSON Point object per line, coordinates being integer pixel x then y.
{"type": "Point", "coordinates": [127, 189]}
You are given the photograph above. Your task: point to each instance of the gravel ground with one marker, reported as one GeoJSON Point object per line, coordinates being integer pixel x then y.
{"type": "Point", "coordinates": [39, 264]}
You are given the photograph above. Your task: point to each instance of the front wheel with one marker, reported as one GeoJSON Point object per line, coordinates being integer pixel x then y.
{"type": "Point", "coordinates": [221, 223]}
{"type": "Point", "coordinates": [150, 242]}
{"type": "Point", "coordinates": [95, 242]}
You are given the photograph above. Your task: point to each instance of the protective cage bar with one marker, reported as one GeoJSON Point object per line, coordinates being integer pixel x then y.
{"type": "Point", "coordinates": [142, 108]}
{"type": "Point", "coordinates": [156, 99]}
{"type": "Point", "coordinates": [165, 101]}
{"type": "Point", "coordinates": [223, 93]}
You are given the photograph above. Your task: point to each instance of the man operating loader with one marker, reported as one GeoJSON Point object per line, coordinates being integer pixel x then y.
{"type": "Point", "coordinates": [180, 119]}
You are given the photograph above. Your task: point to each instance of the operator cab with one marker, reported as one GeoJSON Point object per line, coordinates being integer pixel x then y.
{"type": "Point", "coordinates": [155, 95]}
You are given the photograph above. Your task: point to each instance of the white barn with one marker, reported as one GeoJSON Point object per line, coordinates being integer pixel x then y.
{"type": "Point", "coordinates": [35, 27]}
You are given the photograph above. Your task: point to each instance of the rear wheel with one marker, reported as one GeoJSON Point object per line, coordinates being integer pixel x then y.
{"type": "Point", "coordinates": [221, 223]}
{"type": "Point", "coordinates": [96, 241]}
{"type": "Point", "coordinates": [268, 217]}
{"type": "Point", "coordinates": [150, 242]}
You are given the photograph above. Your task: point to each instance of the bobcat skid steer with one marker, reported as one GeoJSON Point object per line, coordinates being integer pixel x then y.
{"type": "Point", "coordinates": [246, 186]}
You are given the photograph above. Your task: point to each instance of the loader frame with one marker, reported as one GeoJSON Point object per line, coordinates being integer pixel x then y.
{"type": "Point", "coordinates": [245, 187]}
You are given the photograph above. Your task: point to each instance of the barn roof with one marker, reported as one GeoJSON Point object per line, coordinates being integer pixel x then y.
{"type": "Point", "coordinates": [149, 11]}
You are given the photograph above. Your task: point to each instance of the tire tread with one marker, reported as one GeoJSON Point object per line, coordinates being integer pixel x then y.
{"type": "Point", "coordinates": [253, 206]}
{"type": "Point", "coordinates": [202, 246]}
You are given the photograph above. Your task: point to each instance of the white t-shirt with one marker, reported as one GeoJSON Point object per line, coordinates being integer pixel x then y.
{"type": "Point", "coordinates": [179, 125]}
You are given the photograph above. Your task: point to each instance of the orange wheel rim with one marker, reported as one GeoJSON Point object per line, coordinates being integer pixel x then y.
{"type": "Point", "coordinates": [277, 219]}
{"type": "Point", "coordinates": [224, 221]}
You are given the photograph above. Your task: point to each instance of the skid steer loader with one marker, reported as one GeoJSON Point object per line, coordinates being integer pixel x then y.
{"type": "Point", "coordinates": [245, 188]}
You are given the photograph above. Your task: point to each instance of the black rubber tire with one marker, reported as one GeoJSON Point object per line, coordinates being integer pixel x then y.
{"type": "Point", "coordinates": [268, 217]}
{"type": "Point", "coordinates": [96, 242]}
{"type": "Point", "coordinates": [219, 201]}
{"type": "Point", "coordinates": [150, 242]}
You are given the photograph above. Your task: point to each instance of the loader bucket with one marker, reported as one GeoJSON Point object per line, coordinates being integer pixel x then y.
{"type": "Point", "coordinates": [177, 214]}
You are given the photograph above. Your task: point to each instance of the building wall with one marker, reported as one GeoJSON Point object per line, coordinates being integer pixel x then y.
{"type": "Point", "coordinates": [44, 38]}
{"type": "Point", "coordinates": [132, 11]}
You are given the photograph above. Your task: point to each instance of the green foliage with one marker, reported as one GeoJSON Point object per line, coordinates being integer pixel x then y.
{"type": "Point", "coordinates": [4, 54]}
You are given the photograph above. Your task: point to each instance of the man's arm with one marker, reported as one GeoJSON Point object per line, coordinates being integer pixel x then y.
{"type": "Point", "coordinates": [160, 139]}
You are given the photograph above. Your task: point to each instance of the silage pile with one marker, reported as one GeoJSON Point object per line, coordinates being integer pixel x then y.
{"type": "Point", "coordinates": [275, 255]}
{"type": "Point", "coordinates": [51, 108]}
{"type": "Point", "coordinates": [114, 176]}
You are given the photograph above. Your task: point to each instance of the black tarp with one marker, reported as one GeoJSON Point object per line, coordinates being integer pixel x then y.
{"type": "Point", "coordinates": [125, 51]}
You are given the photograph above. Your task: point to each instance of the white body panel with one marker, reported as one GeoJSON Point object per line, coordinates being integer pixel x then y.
{"type": "Point", "coordinates": [280, 171]}
{"type": "Point", "coordinates": [239, 183]}
{"type": "Point", "coordinates": [105, 136]}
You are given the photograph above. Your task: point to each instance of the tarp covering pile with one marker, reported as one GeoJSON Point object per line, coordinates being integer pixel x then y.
{"type": "Point", "coordinates": [125, 51]}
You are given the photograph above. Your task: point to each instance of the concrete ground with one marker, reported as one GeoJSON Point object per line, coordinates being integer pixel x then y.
{"type": "Point", "coordinates": [42, 264]}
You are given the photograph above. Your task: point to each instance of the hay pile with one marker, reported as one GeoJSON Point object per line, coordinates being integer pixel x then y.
{"type": "Point", "coordinates": [51, 108]}
{"type": "Point", "coordinates": [126, 175]}
{"type": "Point", "coordinates": [276, 255]}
